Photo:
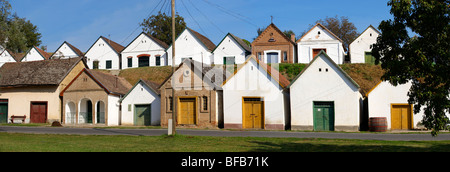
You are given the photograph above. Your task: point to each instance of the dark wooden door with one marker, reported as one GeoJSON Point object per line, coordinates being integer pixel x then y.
{"type": "Point", "coordinates": [38, 112]}
{"type": "Point", "coordinates": [3, 113]}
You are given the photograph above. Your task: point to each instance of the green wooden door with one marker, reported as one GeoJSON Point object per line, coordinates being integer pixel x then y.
{"type": "Point", "coordinates": [142, 115]}
{"type": "Point", "coordinates": [3, 113]}
{"type": "Point", "coordinates": [323, 116]}
{"type": "Point", "coordinates": [369, 58]}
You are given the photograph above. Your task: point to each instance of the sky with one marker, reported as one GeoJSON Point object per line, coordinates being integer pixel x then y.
{"type": "Point", "coordinates": [82, 22]}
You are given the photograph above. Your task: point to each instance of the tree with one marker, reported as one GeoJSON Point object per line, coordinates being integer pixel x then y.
{"type": "Point", "coordinates": [160, 26]}
{"type": "Point", "coordinates": [423, 59]}
{"type": "Point", "coordinates": [5, 12]}
{"type": "Point", "coordinates": [22, 35]}
{"type": "Point", "coordinates": [16, 34]}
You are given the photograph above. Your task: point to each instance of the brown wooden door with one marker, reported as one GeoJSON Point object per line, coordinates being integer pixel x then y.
{"type": "Point", "coordinates": [38, 112]}
{"type": "Point", "coordinates": [317, 51]}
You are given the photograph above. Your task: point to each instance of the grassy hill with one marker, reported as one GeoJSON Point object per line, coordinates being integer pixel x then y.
{"type": "Point", "coordinates": [366, 75]}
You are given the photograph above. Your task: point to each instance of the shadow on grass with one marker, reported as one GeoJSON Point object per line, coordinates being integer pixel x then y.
{"type": "Point", "coordinates": [358, 146]}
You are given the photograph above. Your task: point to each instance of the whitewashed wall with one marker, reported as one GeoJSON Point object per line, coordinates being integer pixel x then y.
{"type": "Point", "coordinates": [5, 57]}
{"type": "Point", "coordinates": [102, 52]}
{"type": "Point", "coordinates": [313, 40]}
{"type": "Point", "coordinates": [383, 95]}
{"type": "Point", "coordinates": [251, 81]}
{"type": "Point", "coordinates": [64, 52]}
{"type": "Point", "coordinates": [143, 45]}
{"type": "Point", "coordinates": [331, 86]}
{"type": "Point", "coordinates": [363, 44]}
{"type": "Point", "coordinates": [33, 55]}
{"type": "Point", "coordinates": [113, 110]}
{"type": "Point", "coordinates": [141, 95]}
{"type": "Point", "coordinates": [229, 48]}
{"type": "Point", "coordinates": [189, 46]}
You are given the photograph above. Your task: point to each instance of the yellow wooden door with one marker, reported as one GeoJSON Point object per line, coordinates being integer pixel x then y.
{"type": "Point", "coordinates": [187, 113]}
{"type": "Point", "coordinates": [253, 116]}
{"type": "Point", "coordinates": [247, 116]}
{"type": "Point", "coordinates": [401, 117]}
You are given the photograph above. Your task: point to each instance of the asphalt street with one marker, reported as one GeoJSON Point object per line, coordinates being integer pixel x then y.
{"type": "Point", "coordinates": [226, 133]}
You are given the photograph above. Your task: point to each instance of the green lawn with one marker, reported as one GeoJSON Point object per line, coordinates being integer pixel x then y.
{"type": "Point", "coordinates": [75, 143]}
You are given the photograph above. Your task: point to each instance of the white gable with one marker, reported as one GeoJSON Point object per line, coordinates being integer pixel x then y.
{"type": "Point", "coordinates": [100, 51]}
{"type": "Point", "coordinates": [141, 94]}
{"type": "Point", "coordinates": [363, 44]}
{"type": "Point", "coordinates": [64, 52]}
{"type": "Point", "coordinates": [252, 81]}
{"type": "Point", "coordinates": [143, 45]}
{"type": "Point", "coordinates": [229, 48]}
{"type": "Point", "coordinates": [324, 81]}
{"type": "Point", "coordinates": [188, 46]}
{"type": "Point", "coordinates": [5, 57]}
{"type": "Point", "coordinates": [33, 55]}
{"type": "Point", "coordinates": [319, 38]}
{"type": "Point", "coordinates": [317, 33]}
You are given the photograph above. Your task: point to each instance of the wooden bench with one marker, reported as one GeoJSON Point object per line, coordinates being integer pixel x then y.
{"type": "Point", "coordinates": [18, 117]}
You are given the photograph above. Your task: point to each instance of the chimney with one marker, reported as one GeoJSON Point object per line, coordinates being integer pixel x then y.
{"type": "Point", "coordinates": [293, 37]}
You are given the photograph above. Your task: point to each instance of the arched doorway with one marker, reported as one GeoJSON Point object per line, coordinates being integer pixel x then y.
{"type": "Point", "coordinates": [71, 113]}
{"type": "Point", "coordinates": [85, 112]}
{"type": "Point", "coordinates": [100, 111]}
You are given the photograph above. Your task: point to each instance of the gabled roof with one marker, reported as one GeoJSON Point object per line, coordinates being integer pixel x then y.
{"type": "Point", "coordinates": [114, 85]}
{"type": "Point", "coordinates": [73, 48]}
{"type": "Point", "coordinates": [44, 55]}
{"type": "Point", "coordinates": [331, 61]}
{"type": "Point", "coordinates": [240, 42]}
{"type": "Point", "coordinates": [159, 42]}
{"type": "Point", "coordinates": [376, 30]}
{"type": "Point", "coordinates": [277, 30]}
{"type": "Point", "coordinates": [153, 87]}
{"type": "Point", "coordinates": [281, 80]}
{"type": "Point", "coordinates": [13, 55]}
{"type": "Point", "coordinates": [209, 45]}
{"type": "Point", "coordinates": [114, 45]}
{"type": "Point", "coordinates": [324, 28]}
{"type": "Point", "coordinates": [36, 73]}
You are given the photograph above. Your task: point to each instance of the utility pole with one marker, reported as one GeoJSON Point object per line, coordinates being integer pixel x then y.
{"type": "Point", "coordinates": [173, 71]}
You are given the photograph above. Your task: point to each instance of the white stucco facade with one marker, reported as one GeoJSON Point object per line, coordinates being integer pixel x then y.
{"type": "Point", "coordinates": [363, 44]}
{"type": "Point", "coordinates": [33, 55]}
{"type": "Point", "coordinates": [113, 110]}
{"type": "Point", "coordinates": [230, 48]}
{"type": "Point", "coordinates": [252, 81]}
{"type": "Point", "coordinates": [143, 45]}
{"type": "Point", "coordinates": [189, 46]}
{"type": "Point", "coordinates": [141, 94]}
{"type": "Point", "coordinates": [6, 57]}
{"type": "Point", "coordinates": [324, 81]}
{"type": "Point", "coordinates": [384, 95]}
{"type": "Point", "coordinates": [64, 52]}
{"type": "Point", "coordinates": [320, 38]}
{"type": "Point", "coordinates": [102, 52]}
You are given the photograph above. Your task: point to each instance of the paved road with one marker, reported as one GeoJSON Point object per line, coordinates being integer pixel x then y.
{"type": "Point", "coordinates": [224, 133]}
